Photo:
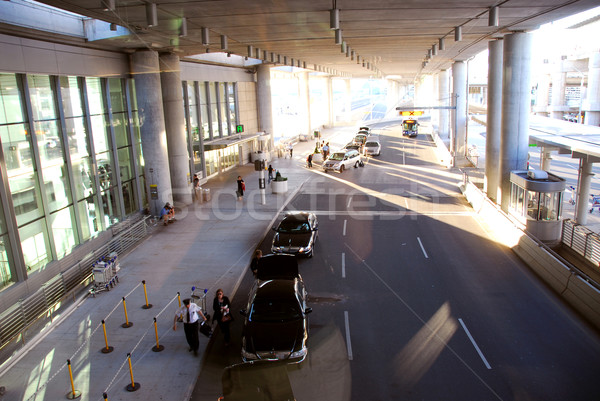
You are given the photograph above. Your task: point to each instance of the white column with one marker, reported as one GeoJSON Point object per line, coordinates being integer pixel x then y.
{"type": "Point", "coordinates": [542, 95]}
{"type": "Point", "coordinates": [172, 96]}
{"type": "Point", "coordinates": [458, 144]}
{"type": "Point", "coordinates": [444, 101]}
{"type": "Point", "coordinates": [516, 103]}
{"type": "Point", "coordinates": [304, 103]}
{"type": "Point", "coordinates": [559, 84]}
{"type": "Point", "coordinates": [494, 119]}
{"type": "Point", "coordinates": [263, 98]}
{"type": "Point", "coordinates": [330, 116]}
{"type": "Point", "coordinates": [145, 69]}
{"type": "Point", "coordinates": [348, 100]}
{"type": "Point", "coordinates": [592, 103]}
{"type": "Point", "coordinates": [583, 190]}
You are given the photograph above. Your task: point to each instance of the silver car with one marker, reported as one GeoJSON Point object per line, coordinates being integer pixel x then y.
{"type": "Point", "coordinates": [372, 147]}
{"type": "Point", "coordinates": [339, 161]}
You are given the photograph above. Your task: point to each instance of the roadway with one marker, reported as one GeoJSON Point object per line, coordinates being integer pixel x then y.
{"type": "Point", "coordinates": [412, 298]}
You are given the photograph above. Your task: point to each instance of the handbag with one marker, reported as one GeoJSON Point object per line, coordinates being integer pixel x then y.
{"type": "Point", "coordinates": [226, 318]}
{"type": "Point", "coordinates": [205, 328]}
{"type": "Point", "coordinates": [243, 186]}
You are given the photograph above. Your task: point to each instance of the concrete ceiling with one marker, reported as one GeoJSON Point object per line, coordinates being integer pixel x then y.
{"type": "Point", "coordinates": [394, 36]}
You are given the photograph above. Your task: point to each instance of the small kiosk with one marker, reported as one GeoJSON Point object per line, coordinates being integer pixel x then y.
{"type": "Point", "coordinates": [536, 200]}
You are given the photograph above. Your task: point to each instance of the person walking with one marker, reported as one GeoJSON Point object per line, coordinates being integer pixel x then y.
{"type": "Point", "coordinates": [190, 313]}
{"type": "Point", "coordinates": [222, 314]}
{"type": "Point", "coordinates": [241, 187]}
{"type": "Point", "coordinates": [325, 151]}
{"type": "Point", "coordinates": [309, 160]}
{"type": "Point", "coordinates": [254, 262]}
{"type": "Point", "coordinates": [291, 150]}
{"type": "Point", "coordinates": [270, 169]}
{"type": "Point", "coordinates": [197, 188]}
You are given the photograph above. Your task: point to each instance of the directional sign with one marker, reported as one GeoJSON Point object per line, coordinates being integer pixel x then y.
{"type": "Point", "coordinates": [411, 113]}
{"type": "Point", "coordinates": [239, 129]}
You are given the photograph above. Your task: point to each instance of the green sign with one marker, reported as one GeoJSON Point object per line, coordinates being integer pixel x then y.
{"type": "Point", "coordinates": [239, 129]}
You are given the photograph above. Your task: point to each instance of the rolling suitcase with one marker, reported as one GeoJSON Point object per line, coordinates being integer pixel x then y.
{"type": "Point", "coordinates": [205, 328]}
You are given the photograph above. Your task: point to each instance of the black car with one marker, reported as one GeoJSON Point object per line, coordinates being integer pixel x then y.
{"type": "Point", "coordinates": [296, 234]}
{"type": "Point", "coordinates": [276, 322]}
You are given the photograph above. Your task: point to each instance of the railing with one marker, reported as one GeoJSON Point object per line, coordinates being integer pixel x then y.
{"type": "Point", "coordinates": [18, 318]}
{"type": "Point", "coordinates": [582, 240]}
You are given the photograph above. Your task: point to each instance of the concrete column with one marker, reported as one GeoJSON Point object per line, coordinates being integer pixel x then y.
{"type": "Point", "coordinates": [545, 158]}
{"type": "Point", "coordinates": [591, 106]}
{"type": "Point", "coordinates": [172, 96]}
{"type": "Point", "coordinates": [516, 102]}
{"type": "Point", "coordinates": [146, 73]}
{"type": "Point", "coordinates": [494, 119]}
{"type": "Point", "coordinates": [263, 98]}
{"type": "Point", "coordinates": [559, 84]}
{"type": "Point", "coordinates": [458, 144]}
{"type": "Point", "coordinates": [445, 101]}
{"type": "Point", "coordinates": [348, 100]}
{"type": "Point", "coordinates": [304, 104]}
{"type": "Point", "coordinates": [583, 190]}
{"type": "Point", "coordinates": [330, 116]}
{"type": "Point", "coordinates": [542, 95]}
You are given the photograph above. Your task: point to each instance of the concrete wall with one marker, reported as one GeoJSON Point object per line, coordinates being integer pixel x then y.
{"type": "Point", "coordinates": [566, 283]}
{"type": "Point", "coordinates": [247, 106]}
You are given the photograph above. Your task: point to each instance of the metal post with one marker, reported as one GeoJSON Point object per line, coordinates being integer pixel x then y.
{"type": "Point", "coordinates": [147, 306]}
{"type": "Point", "coordinates": [261, 185]}
{"type": "Point", "coordinates": [107, 349]}
{"type": "Point", "coordinates": [157, 347]}
{"type": "Point", "coordinates": [127, 323]}
{"type": "Point", "coordinates": [133, 386]}
{"type": "Point", "coordinates": [74, 393]}
{"type": "Point", "coordinates": [179, 298]}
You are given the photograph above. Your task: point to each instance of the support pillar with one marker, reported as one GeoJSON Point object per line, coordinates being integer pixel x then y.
{"type": "Point", "coordinates": [146, 73]}
{"type": "Point", "coordinates": [444, 101]}
{"type": "Point", "coordinates": [263, 98]}
{"type": "Point", "coordinates": [559, 85]}
{"type": "Point", "coordinates": [516, 102]}
{"type": "Point", "coordinates": [545, 159]}
{"type": "Point", "coordinates": [591, 105]}
{"type": "Point", "coordinates": [330, 116]}
{"type": "Point", "coordinates": [172, 95]}
{"type": "Point", "coordinates": [494, 119]}
{"type": "Point", "coordinates": [348, 101]}
{"type": "Point", "coordinates": [542, 95]}
{"type": "Point", "coordinates": [304, 103]}
{"type": "Point", "coordinates": [458, 144]}
{"type": "Point", "coordinates": [584, 183]}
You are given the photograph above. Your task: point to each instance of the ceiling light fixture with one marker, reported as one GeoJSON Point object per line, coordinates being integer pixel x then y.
{"type": "Point", "coordinates": [343, 47]}
{"type": "Point", "coordinates": [494, 17]}
{"type": "Point", "coordinates": [205, 37]}
{"type": "Point", "coordinates": [250, 51]}
{"type": "Point", "coordinates": [442, 45]}
{"type": "Point", "coordinates": [434, 49]}
{"type": "Point", "coordinates": [338, 37]}
{"type": "Point", "coordinates": [334, 19]}
{"type": "Point", "coordinates": [113, 26]}
{"type": "Point", "coordinates": [151, 16]}
{"type": "Point", "coordinates": [183, 28]}
{"type": "Point", "coordinates": [348, 51]}
{"type": "Point", "coordinates": [108, 5]}
{"type": "Point", "coordinates": [223, 42]}
{"type": "Point", "coordinates": [458, 34]}
{"type": "Point", "coordinates": [352, 55]}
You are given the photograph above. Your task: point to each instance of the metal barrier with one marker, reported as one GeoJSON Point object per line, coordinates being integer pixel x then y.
{"type": "Point", "coordinates": [19, 317]}
{"type": "Point", "coordinates": [582, 240]}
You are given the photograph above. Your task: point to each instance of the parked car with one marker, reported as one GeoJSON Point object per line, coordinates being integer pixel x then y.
{"type": "Point", "coordinates": [372, 147]}
{"type": "Point", "coordinates": [366, 129]}
{"type": "Point", "coordinates": [296, 234]}
{"type": "Point", "coordinates": [353, 146]}
{"type": "Point", "coordinates": [360, 138]}
{"type": "Point", "coordinates": [339, 161]}
{"type": "Point", "coordinates": [277, 267]}
{"type": "Point", "coordinates": [276, 322]}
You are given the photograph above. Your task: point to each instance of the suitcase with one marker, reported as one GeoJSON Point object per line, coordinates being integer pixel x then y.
{"type": "Point", "coordinates": [205, 328]}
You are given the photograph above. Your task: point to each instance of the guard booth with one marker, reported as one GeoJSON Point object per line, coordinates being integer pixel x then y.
{"type": "Point", "coordinates": [536, 200]}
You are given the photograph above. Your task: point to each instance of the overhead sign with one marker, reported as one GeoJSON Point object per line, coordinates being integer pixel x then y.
{"type": "Point", "coordinates": [239, 129]}
{"type": "Point", "coordinates": [412, 113]}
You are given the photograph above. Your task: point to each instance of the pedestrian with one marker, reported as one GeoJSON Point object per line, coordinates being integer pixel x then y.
{"type": "Point", "coordinates": [270, 173]}
{"type": "Point", "coordinates": [222, 314]}
{"type": "Point", "coordinates": [197, 188]}
{"type": "Point", "coordinates": [291, 150]}
{"type": "Point", "coordinates": [325, 151]}
{"type": "Point", "coordinates": [241, 187]}
{"type": "Point", "coordinates": [167, 214]}
{"type": "Point", "coordinates": [309, 160]}
{"type": "Point", "coordinates": [254, 262]}
{"type": "Point", "coordinates": [190, 314]}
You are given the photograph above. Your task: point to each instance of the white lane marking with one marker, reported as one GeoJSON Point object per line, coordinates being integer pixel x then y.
{"type": "Point", "coordinates": [343, 265]}
{"type": "Point", "coordinates": [422, 248]}
{"type": "Point", "coordinates": [348, 204]}
{"type": "Point", "coordinates": [406, 203]}
{"type": "Point", "coordinates": [344, 230]}
{"type": "Point", "coordinates": [487, 365]}
{"type": "Point", "coordinates": [348, 344]}
{"type": "Point", "coordinates": [403, 156]}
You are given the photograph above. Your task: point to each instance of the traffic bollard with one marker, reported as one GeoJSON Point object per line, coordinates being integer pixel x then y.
{"type": "Point", "coordinates": [157, 347]}
{"type": "Point", "coordinates": [133, 386]}
{"type": "Point", "coordinates": [147, 306]}
{"type": "Point", "coordinates": [179, 298]}
{"type": "Point", "coordinates": [73, 393]}
{"type": "Point", "coordinates": [105, 396]}
{"type": "Point", "coordinates": [108, 349]}
{"type": "Point", "coordinates": [127, 322]}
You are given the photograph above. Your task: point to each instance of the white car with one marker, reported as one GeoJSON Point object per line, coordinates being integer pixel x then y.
{"type": "Point", "coordinates": [339, 161]}
{"type": "Point", "coordinates": [372, 147]}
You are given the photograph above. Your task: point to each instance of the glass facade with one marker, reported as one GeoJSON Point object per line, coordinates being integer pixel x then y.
{"type": "Point", "coordinates": [63, 139]}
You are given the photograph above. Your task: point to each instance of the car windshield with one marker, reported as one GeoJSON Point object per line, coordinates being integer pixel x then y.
{"type": "Point", "coordinates": [293, 226]}
{"type": "Point", "coordinates": [337, 157]}
{"type": "Point", "coordinates": [274, 310]}
{"type": "Point", "coordinates": [374, 144]}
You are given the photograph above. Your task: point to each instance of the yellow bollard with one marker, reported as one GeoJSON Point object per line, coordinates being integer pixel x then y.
{"type": "Point", "coordinates": [147, 306]}
{"type": "Point", "coordinates": [157, 347]}
{"type": "Point", "coordinates": [105, 396]}
{"type": "Point", "coordinates": [179, 298]}
{"type": "Point", "coordinates": [73, 393]}
{"type": "Point", "coordinates": [107, 349]}
{"type": "Point", "coordinates": [133, 386]}
{"type": "Point", "coordinates": [127, 322]}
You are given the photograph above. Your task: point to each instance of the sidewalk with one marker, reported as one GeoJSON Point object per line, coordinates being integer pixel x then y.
{"type": "Point", "coordinates": [209, 246]}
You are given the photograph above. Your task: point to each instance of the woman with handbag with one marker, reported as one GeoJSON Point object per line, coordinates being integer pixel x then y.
{"type": "Point", "coordinates": [222, 314]}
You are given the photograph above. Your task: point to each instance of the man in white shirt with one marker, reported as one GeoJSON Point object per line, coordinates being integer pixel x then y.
{"type": "Point", "coordinates": [190, 313]}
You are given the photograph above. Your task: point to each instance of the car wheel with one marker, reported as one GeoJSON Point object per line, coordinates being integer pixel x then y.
{"type": "Point", "coordinates": [342, 168]}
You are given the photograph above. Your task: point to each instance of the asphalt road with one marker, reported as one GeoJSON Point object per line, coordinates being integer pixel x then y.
{"type": "Point", "coordinates": [413, 300]}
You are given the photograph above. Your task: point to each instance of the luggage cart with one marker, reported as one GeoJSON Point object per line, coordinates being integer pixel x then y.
{"type": "Point", "coordinates": [573, 192]}
{"type": "Point", "coordinates": [104, 272]}
{"type": "Point", "coordinates": [595, 202]}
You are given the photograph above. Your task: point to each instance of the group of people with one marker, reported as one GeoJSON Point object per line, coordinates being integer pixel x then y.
{"type": "Point", "coordinates": [191, 315]}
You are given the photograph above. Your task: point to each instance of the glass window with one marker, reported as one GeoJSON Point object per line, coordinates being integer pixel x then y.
{"type": "Point", "coordinates": [231, 89]}
{"type": "Point", "coordinates": [42, 97]}
{"type": "Point", "coordinates": [83, 177]}
{"type": "Point", "coordinates": [77, 136]}
{"type": "Point", "coordinates": [99, 133]}
{"type": "Point", "coordinates": [110, 204]}
{"type": "Point", "coordinates": [194, 129]}
{"type": "Point", "coordinates": [105, 170]}
{"type": "Point", "coordinates": [533, 204]}
{"type": "Point", "coordinates": [128, 197]}
{"type": "Point", "coordinates": [35, 244]}
{"type": "Point", "coordinates": [118, 102]}
{"type": "Point", "coordinates": [223, 109]}
{"type": "Point", "coordinates": [71, 96]}
{"type": "Point", "coordinates": [204, 110]}
{"type": "Point", "coordinates": [88, 214]}
{"type": "Point", "coordinates": [94, 92]}
{"type": "Point", "coordinates": [11, 110]}
{"type": "Point", "coordinates": [120, 125]}
{"type": "Point", "coordinates": [62, 223]}
{"type": "Point", "coordinates": [56, 181]}
{"type": "Point", "coordinates": [6, 276]}
{"type": "Point", "coordinates": [125, 164]}
{"type": "Point", "coordinates": [214, 110]}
